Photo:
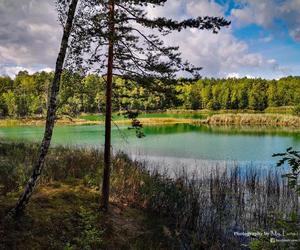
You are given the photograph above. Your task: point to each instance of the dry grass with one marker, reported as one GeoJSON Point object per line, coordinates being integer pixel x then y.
{"type": "Point", "coordinates": [75, 121]}
{"type": "Point", "coordinates": [254, 119]}
{"type": "Point", "coordinates": [271, 117]}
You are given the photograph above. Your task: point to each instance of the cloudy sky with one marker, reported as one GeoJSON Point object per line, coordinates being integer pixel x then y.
{"type": "Point", "coordinates": [263, 40]}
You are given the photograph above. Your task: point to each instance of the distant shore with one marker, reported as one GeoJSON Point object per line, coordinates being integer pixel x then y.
{"type": "Point", "coordinates": [76, 121]}
{"type": "Point", "coordinates": [196, 118]}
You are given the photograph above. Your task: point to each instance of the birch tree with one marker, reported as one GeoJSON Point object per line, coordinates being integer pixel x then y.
{"type": "Point", "coordinates": [66, 18]}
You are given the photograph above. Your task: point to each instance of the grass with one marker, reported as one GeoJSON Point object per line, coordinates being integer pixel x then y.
{"type": "Point", "coordinates": [149, 210]}
{"type": "Point", "coordinates": [64, 211]}
{"type": "Point", "coordinates": [36, 121]}
{"type": "Point", "coordinates": [94, 119]}
{"type": "Point", "coordinates": [67, 216]}
{"type": "Point", "coordinates": [142, 115]}
{"type": "Point", "coordinates": [148, 118]}
{"type": "Point", "coordinates": [280, 110]}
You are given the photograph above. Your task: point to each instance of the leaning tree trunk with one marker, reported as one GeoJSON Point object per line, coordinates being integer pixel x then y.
{"type": "Point", "coordinates": [51, 115]}
{"type": "Point", "coordinates": [107, 145]}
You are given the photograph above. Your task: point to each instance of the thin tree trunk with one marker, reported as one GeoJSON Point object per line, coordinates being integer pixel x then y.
{"type": "Point", "coordinates": [51, 115]}
{"type": "Point", "coordinates": [107, 146]}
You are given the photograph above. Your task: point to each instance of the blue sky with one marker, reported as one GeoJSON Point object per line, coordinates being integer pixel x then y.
{"type": "Point", "coordinates": [263, 40]}
{"type": "Point", "coordinates": [274, 42]}
{"type": "Point", "coordinates": [275, 36]}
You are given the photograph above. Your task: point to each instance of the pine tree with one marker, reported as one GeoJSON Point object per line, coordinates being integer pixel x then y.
{"type": "Point", "coordinates": [118, 36]}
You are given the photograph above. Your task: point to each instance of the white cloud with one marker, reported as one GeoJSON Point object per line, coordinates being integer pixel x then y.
{"type": "Point", "coordinates": [255, 11]}
{"type": "Point", "coordinates": [233, 75]}
{"type": "Point", "coordinates": [217, 53]}
{"type": "Point", "coordinates": [265, 13]}
{"type": "Point", "coordinates": [12, 71]}
{"type": "Point", "coordinates": [290, 12]}
{"type": "Point", "coordinates": [30, 35]}
{"type": "Point", "coordinates": [204, 8]}
{"type": "Point", "coordinates": [29, 32]}
{"type": "Point", "coordinates": [238, 75]}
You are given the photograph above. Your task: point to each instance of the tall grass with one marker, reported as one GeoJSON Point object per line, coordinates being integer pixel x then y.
{"type": "Point", "coordinates": [208, 210]}
{"type": "Point", "coordinates": [204, 210]}
{"type": "Point", "coordinates": [254, 119]}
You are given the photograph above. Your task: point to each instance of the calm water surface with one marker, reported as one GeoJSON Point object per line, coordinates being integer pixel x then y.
{"type": "Point", "coordinates": [175, 144]}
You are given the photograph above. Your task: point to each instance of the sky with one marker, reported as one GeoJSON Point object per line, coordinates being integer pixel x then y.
{"type": "Point", "coordinates": [263, 39]}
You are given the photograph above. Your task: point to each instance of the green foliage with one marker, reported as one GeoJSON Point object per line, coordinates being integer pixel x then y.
{"type": "Point", "coordinates": [61, 164]}
{"type": "Point", "coordinates": [296, 110]}
{"type": "Point", "coordinates": [284, 235]}
{"type": "Point", "coordinates": [290, 226]}
{"type": "Point", "coordinates": [11, 177]}
{"type": "Point", "coordinates": [27, 95]}
{"type": "Point", "coordinates": [9, 101]}
{"type": "Point", "coordinates": [292, 158]}
{"type": "Point", "coordinates": [91, 235]}
{"type": "Point", "coordinates": [261, 243]}
{"type": "Point", "coordinates": [190, 96]}
{"type": "Point", "coordinates": [255, 94]}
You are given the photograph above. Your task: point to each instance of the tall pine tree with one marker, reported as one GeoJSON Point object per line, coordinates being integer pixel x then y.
{"type": "Point", "coordinates": [117, 38]}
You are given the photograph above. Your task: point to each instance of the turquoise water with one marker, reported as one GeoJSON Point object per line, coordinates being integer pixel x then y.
{"type": "Point", "coordinates": [179, 143]}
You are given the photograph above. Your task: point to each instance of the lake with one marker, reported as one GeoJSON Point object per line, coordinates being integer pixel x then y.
{"type": "Point", "coordinates": [176, 145]}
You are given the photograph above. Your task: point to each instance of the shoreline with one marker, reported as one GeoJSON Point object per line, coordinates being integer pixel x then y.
{"type": "Point", "coordinates": [221, 119]}
{"type": "Point", "coordinates": [76, 121]}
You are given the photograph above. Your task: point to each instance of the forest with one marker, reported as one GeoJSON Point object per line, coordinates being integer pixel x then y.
{"type": "Point", "coordinates": [27, 95]}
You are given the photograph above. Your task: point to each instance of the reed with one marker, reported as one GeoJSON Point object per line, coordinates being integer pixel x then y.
{"type": "Point", "coordinates": [254, 119]}
{"type": "Point", "coordinates": [204, 211]}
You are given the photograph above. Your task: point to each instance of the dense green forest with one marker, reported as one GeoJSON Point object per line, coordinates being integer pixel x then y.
{"type": "Point", "coordinates": [27, 95]}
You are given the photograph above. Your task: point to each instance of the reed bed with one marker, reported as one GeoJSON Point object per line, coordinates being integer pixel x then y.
{"type": "Point", "coordinates": [204, 210]}
{"type": "Point", "coordinates": [208, 210]}
{"type": "Point", "coordinates": [254, 119]}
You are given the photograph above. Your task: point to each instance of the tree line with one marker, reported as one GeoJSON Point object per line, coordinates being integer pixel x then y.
{"type": "Point", "coordinates": [243, 93]}
{"type": "Point", "coordinates": [27, 95]}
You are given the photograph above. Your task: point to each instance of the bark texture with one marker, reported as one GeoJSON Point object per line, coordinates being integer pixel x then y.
{"type": "Point", "coordinates": [51, 115]}
{"type": "Point", "coordinates": [107, 146]}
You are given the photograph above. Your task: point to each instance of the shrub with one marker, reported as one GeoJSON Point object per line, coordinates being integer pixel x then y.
{"type": "Point", "coordinates": [296, 110]}
{"type": "Point", "coordinates": [12, 177]}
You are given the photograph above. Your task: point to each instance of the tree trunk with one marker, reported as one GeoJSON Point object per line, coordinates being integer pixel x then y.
{"type": "Point", "coordinates": [107, 146]}
{"type": "Point", "coordinates": [51, 115]}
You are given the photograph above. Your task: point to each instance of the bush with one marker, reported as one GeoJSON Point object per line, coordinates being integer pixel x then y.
{"type": "Point", "coordinates": [296, 110]}
{"type": "Point", "coordinates": [12, 178]}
